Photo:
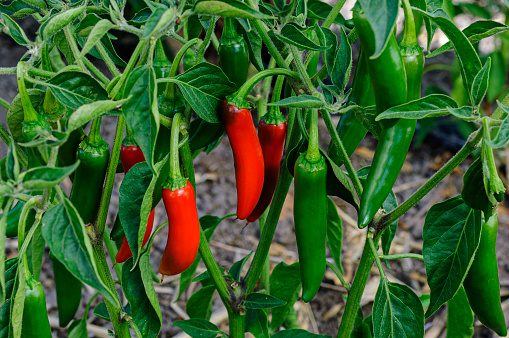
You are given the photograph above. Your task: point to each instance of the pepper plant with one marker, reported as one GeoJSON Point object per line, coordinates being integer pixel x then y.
{"type": "Point", "coordinates": [166, 118]}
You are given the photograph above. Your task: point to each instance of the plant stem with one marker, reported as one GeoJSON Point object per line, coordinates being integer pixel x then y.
{"type": "Point", "coordinates": [187, 158]}
{"type": "Point", "coordinates": [265, 274]}
{"type": "Point", "coordinates": [336, 271]}
{"type": "Point", "coordinates": [29, 113]}
{"type": "Point", "coordinates": [206, 41]}
{"type": "Point", "coordinates": [262, 250]}
{"type": "Point", "coordinates": [237, 325]}
{"type": "Point", "coordinates": [313, 152]}
{"type": "Point", "coordinates": [74, 47]}
{"type": "Point", "coordinates": [467, 148]}
{"type": "Point", "coordinates": [342, 152]}
{"type": "Point", "coordinates": [215, 273]}
{"type": "Point", "coordinates": [106, 58]}
{"type": "Point", "coordinates": [110, 178]}
{"type": "Point", "coordinates": [94, 136]}
{"type": "Point", "coordinates": [128, 69]}
{"type": "Point", "coordinates": [402, 255]}
{"type": "Point", "coordinates": [355, 294]}
{"type": "Point", "coordinates": [302, 69]}
{"type": "Point", "coordinates": [174, 147]}
{"type": "Point", "coordinates": [409, 37]}
{"type": "Point", "coordinates": [90, 66]}
{"type": "Point", "coordinates": [273, 51]}
{"type": "Point", "coordinates": [170, 91]}
{"type": "Point", "coordinates": [375, 254]}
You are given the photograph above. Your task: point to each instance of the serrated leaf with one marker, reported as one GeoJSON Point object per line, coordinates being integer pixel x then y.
{"type": "Point", "coordinates": [44, 177]}
{"type": "Point", "coordinates": [451, 236]}
{"type": "Point", "coordinates": [397, 312]}
{"type": "Point", "coordinates": [434, 105]}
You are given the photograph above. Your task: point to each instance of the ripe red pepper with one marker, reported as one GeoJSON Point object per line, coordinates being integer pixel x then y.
{"type": "Point", "coordinates": [247, 154]}
{"type": "Point", "coordinates": [129, 156]}
{"type": "Point", "coordinates": [183, 230]}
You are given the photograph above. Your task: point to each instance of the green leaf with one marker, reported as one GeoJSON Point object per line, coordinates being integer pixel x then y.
{"type": "Point", "coordinates": [382, 19]}
{"type": "Point", "coordinates": [199, 304]}
{"type": "Point", "coordinates": [470, 64]}
{"type": "Point", "coordinates": [254, 42]}
{"type": "Point", "coordinates": [257, 300]}
{"type": "Point", "coordinates": [497, 75]}
{"type": "Point", "coordinates": [11, 267]}
{"type": "Point", "coordinates": [328, 38]}
{"type": "Point", "coordinates": [257, 323]}
{"type": "Point", "coordinates": [473, 191]}
{"type": "Point", "coordinates": [68, 240]}
{"type": "Point", "coordinates": [301, 101]}
{"type": "Point", "coordinates": [342, 64]}
{"type": "Point", "coordinates": [59, 21]}
{"type": "Point", "coordinates": [141, 111]}
{"type": "Point", "coordinates": [101, 311]}
{"type": "Point", "coordinates": [397, 311]}
{"type": "Point", "coordinates": [294, 35]}
{"type": "Point", "coordinates": [502, 137]}
{"type": "Point", "coordinates": [298, 333]}
{"type": "Point", "coordinates": [75, 89]}
{"type": "Point", "coordinates": [285, 284]}
{"type": "Point", "coordinates": [464, 113]}
{"type": "Point", "coordinates": [334, 233]}
{"type": "Point", "coordinates": [198, 328]}
{"type": "Point", "coordinates": [138, 288]}
{"type": "Point", "coordinates": [16, 32]}
{"type": "Point", "coordinates": [460, 319]}
{"type": "Point", "coordinates": [158, 20]}
{"type": "Point", "coordinates": [18, 9]}
{"type": "Point", "coordinates": [236, 268]}
{"type": "Point", "coordinates": [102, 27]}
{"type": "Point", "coordinates": [204, 86]}
{"type": "Point", "coordinates": [477, 31]}
{"type": "Point", "coordinates": [450, 238]}
{"type": "Point", "coordinates": [480, 85]}
{"type": "Point", "coordinates": [433, 105]}
{"type": "Point", "coordinates": [90, 111]}
{"type": "Point", "coordinates": [319, 10]}
{"type": "Point", "coordinates": [44, 177]}
{"type": "Point", "coordinates": [225, 8]}
{"type": "Point", "coordinates": [78, 329]}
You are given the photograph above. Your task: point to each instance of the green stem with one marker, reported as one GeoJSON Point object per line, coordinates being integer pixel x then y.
{"type": "Point", "coordinates": [4, 104]}
{"type": "Point", "coordinates": [262, 250]}
{"type": "Point", "coordinates": [346, 285]}
{"type": "Point", "coordinates": [74, 47]}
{"type": "Point", "coordinates": [375, 254]}
{"type": "Point", "coordinates": [273, 51]}
{"type": "Point", "coordinates": [106, 58]}
{"type": "Point", "coordinates": [229, 31]}
{"type": "Point", "coordinates": [206, 41]}
{"type": "Point", "coordinates": [94, 136]}
{"type": "Point", "coordinates": [170, 91]}
{"type": "Point", "coordinates": [112, 251]}
{"type": "Point", "coordinates": [128, 69]}
{"type": "Point", "coordinates": [302, 69]}
{"type": "Point", "coordinates": [342, 152]}
{"type": "Point", "coordinates": [237, 325]}
{"type": "Point", "coordinates": [400, 256]}
{"type": "Point", "coordinates": [467, 148]}
{"type": "Point", "coordinates": [22, 226]}
{"type": "Point", "coordinates": [110, 178]}
{"type": "Point", "coordinates": [409, 37]}
{"type": "Point", "coordinates": [355, 294]}
{"type": "Point", "coordinates": [313, 152]}
{"type": "Point", "coordinates": [90, 66]}
{"type": "Point", "coordinates": [265, 274]}
{"type": "Point", "coordinates": [174, 148]}
{"type": "Point", "coordinates": [187, 158]}
{"type": "Point", "coordinates": [215, 273]}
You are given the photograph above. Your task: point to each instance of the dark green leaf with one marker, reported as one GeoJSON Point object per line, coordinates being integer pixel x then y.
{"type": "Point", "coordinates": [257, 300]}
{"type": "Point", "coordinates": [473, 191]}
{"type": "Point", "coordinates": [18, 9]}
{"type": "Point", "coordinates": [343, 63]}
{"type": "Point", "coordinates": [78, 329]}
{"type": "Point", "coordinates": [44, 177]}
{"type": "Point", "coordinates": [139, 290]}
{"type": "Point", "coordinates": [397, 312]}
{"type": "Point", "coordinates": [329, 39]}
{"type": "Point", "coordinates": [225, 8]}
{"type": "Point", "coordinates": [450, 238]}
{"type": "Point", "coordinates": [477, 31]}
{"type": "Point", "coordinates": [11, 267]}
{"type": "Point", "coordinates": [382, 19]}
{"type": "Point", "coordinates": [199, 304]}
{"type": "Point", "coordinates": [68, 240]}
{"type": "Point", "coordinates": [101, 311]}
{"type": "Point", "coordinates": [198, 328]}
{"type": "Point", "coordinates": [502, 137]}
{"type": "Point", "coordinates": [298, 333]}
{"type": "Point", "coordinates": [75, 89]}
{"type": "Point", "coordinates": [257, 323]}
{"type": "Point", "coordinates": [236, 268]}
{"type": "Point", "coordinates": [480, 84]}
{"type": "Point", "coordinates": [141, 111]}
{"type": "Point", "coordinates": [319, 10]}
{"type": "Point", "coordinates": [285, 284]}
{"type": "Point", "coordinates": [294, 35]}
{"type": "Point", "coordinates": [460, 319]}
{"type": "Point", "coordinates": [334, 233]}
{"type": "Point", "coordinates": [15, 31]}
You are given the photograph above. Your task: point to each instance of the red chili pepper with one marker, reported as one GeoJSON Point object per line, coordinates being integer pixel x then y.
{"type": "Point", "coordinates": [129, 156]}
{"type": "Point", "coordinates": [183, 230]}
{"type": "Point", "coordinates": [247, 154]}
{"type": "Point", "coordinates": [272, 140]}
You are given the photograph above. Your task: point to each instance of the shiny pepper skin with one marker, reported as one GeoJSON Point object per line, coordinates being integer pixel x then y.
{"type": "Point", "coordinates": [247, 154]}
{"type": "Point", "coordinates": [35, 316]}
{"type": "Point", "coordinates": [272, 140]}
{"type": "Point", "coordinates": [183, 230]}
{"type": "Point", "coordinates": [129, 156]}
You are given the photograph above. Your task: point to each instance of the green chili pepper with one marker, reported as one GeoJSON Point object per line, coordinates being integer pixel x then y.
{"type": "Point", "coordinates": [310, 213]}
{"type": "Point", "coordinates": [482, 285]}
{"type": "Point", "coordinates": [233, 53]}
{"type": "Point", "coordinates": [68, 290]}
{"type": "Point", "coordinates": [35, 315]}
{"type": "Point", "coordinates": [350, 129]}
{"type": "Point", "coordinates": [389, 83]}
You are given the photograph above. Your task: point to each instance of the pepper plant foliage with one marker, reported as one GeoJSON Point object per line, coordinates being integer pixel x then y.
{"type": "Point", "coordinates": [61, 92]}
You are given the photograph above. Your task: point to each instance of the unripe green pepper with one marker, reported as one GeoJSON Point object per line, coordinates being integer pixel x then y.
{"type": "Point", "coordinates": [482, 284]}
{"type": "Point", "coordinates": [35, 314]}
{"type": "Point", "coordinates": [233, 53]}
